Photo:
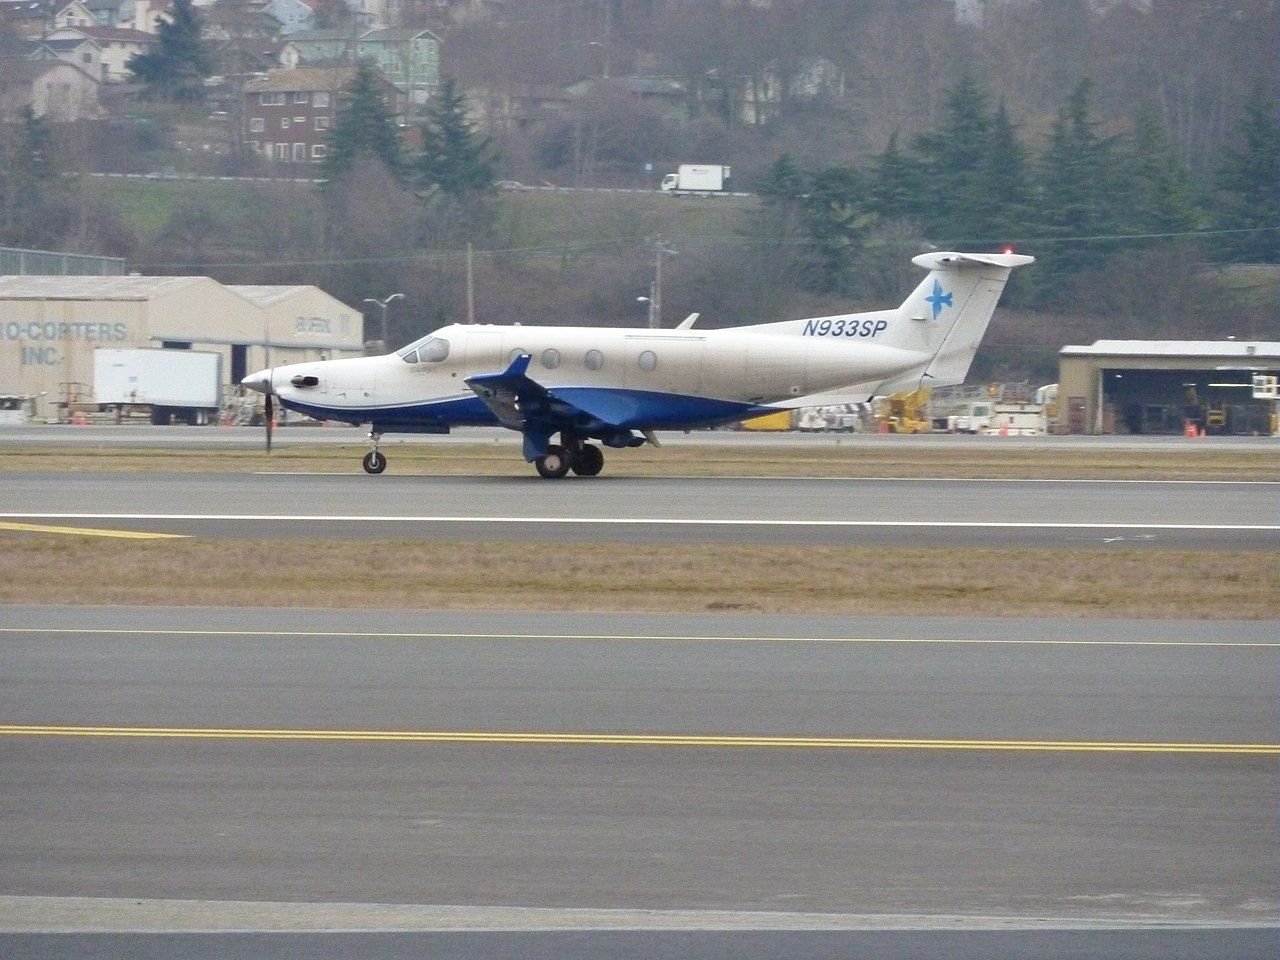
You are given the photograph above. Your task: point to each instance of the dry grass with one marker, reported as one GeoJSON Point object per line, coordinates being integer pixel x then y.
{"type": "Point", "coordinates": [616, 577]}
{"type": "Point", "coordinates": [899, 458]}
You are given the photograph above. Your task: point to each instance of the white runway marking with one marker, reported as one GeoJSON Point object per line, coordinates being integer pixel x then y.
{"type": "Point", "coordinates": [644, 521]}
{"type": "Point", "coordinates": [622, 638]}
{"type": "Point", "coordinates": [773, 479]}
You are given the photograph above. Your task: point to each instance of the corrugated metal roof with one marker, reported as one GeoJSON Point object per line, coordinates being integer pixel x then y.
{"type": "Point", "coordinates": [1177, 348]}
{"type": "Point", "coordinates": [93, 288]}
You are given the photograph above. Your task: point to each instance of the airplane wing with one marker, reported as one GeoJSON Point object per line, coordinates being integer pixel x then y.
{"type": "Point", "coordinates": [521, 403]}
{"type": "Point", "coordinates": [512, 395]}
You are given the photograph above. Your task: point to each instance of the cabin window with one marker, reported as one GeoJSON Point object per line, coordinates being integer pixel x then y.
{"type": "Point", "coordinates": [434, 350]}
{"type": "Point", "coordinates": [516, 354]}
{"type": "Point", "coordinates": [426, 350]}
{"type": "Point", "coordinates": [647, 361]}
{"type": "Point", "coordinates": [551, 358]}
{"type": "Point", "coordinates": [594, 360]}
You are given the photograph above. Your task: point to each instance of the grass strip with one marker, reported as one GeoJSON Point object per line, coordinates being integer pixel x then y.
{"type": "Point", "coordinates": [901, 459]}
{"type": "Point", "coordinates": [43, 569]}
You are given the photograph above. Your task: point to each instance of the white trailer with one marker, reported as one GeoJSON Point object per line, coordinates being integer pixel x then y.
{"type": "Point", "coordinates": [699, 179]}
{"type": "Point", "coordinates": [185, 384]}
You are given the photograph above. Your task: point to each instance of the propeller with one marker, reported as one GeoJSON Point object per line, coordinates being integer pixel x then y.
{"type": "Point", "coordinates": [261, 382]}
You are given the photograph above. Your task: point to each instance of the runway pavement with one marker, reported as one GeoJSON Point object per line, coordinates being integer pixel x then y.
{"type": "Point", "coordinates": [110, 436]}
{"type": "Point", "coordinates": [1058, 513]}
{"type": "Point", "coordinates": [1033, 773]}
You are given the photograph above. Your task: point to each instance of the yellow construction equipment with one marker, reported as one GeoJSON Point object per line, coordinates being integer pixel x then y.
{"type": "Point", "coordinates": [770, 421]}
{"type": "Point", "coordinates": [906, 412]}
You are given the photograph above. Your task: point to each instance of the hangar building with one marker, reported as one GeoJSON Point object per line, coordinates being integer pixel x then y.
{"type": "Point", "coordinates": [1157, 386]}
{"type": "Point", "coordinates": [50, 326]}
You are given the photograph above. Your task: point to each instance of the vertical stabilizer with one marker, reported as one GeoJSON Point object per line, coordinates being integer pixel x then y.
{"type": "Point", "coordinates": [947, 315]}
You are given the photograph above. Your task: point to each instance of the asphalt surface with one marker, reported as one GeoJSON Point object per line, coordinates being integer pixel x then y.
{"type": "Point", "coordinates": [632, 945]}
{"type": "Point", "coordinates": [110, 436]}
{"type": "Point", "coordinates": [1221, 515]}
{"type": "Point", "coordinates": [1124, 775]}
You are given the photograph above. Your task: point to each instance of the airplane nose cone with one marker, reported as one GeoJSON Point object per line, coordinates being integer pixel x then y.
{"type": "Point", "coordinates": [260, 381]}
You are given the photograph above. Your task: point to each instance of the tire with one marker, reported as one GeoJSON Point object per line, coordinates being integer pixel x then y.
{"type": "Point", "coordinates": [589, 461]}
{"type": "Point", "coordinates": [374, 462]}
{"type": "Point", "coordinates": [555, 464]}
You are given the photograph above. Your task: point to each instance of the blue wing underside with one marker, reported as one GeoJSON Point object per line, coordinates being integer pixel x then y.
{"type": "Point", "coordinates": [610, 415]}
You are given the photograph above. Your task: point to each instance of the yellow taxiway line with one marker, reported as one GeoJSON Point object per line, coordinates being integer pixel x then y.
{"type": "Point", "coordinates": [91, 531]}
{"type": "Point", "coordinates": [638, 740]}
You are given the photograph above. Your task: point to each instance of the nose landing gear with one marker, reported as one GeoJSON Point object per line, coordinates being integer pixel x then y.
{"type": "Point", "coordinates": [374, 462]}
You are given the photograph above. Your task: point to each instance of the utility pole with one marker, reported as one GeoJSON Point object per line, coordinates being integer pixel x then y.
{"type": "Point", "coordinates": [471, 288]}
{"type": "Point", "coordinates": [655, 297]}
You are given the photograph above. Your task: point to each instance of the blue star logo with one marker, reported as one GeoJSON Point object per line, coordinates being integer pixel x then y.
{"type": "Point", "coordinates": [939, 299]}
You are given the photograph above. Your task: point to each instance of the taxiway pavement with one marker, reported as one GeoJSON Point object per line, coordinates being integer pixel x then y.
{"type": "Point", "coordinates": [1050, 771]}
{"type": "Point", "coordinates": [1050, 513]}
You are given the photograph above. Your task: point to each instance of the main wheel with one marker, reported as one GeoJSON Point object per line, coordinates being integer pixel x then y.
{"type": "Point", "coordinates": [555, 464]}
{"type": "Point", "coordinates": [589, 461]}
{"type": "Point", "coordinates": [374, 462]}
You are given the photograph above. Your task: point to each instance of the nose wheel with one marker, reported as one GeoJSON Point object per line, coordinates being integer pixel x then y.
{"type": "Point", "coordinates": [374, 461]}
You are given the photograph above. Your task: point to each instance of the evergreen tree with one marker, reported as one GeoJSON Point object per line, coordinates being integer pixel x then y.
{"type": "Point", "coordinates": [837, 218]}
{"type": "Point", "coordinates": [1078, 199]}
{"type": "Point", "coordinates": [1004, 182]}
{"type": "Point", "coordinates": [1157, 188]}
{"type": "Point", "coordinates": [29, 176]}
{"type": "Point", "coordinates": [1249, 185]}
{"type": "Point", "coordinates": [456, 161]}
{"type": "Point", "coordinates": [952, 158]}
{"type": "Point", "coordinates": [177, 67]}
{"type": "Point", "coordinates": [897, 184]}
{"type": "Point", "coordinates": [364, 124]}
{"type": "Point", "coordinates": [781, 191]}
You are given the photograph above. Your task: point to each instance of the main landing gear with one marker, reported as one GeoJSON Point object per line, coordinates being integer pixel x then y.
{"type": "Point", "coordinates": [584, 459]}
{"type": "Point", "coordinates": [374, 461]}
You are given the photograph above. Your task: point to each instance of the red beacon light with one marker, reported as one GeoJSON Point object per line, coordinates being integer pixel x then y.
{"type": "Point", "coordinates": [1008, 249]}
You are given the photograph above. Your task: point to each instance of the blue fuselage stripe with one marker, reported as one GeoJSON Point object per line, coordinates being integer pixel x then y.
{"type": "Point", "coordinates": [617, 408]}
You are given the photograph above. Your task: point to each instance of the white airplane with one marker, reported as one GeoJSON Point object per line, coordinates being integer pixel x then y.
{"type": "Point", "coordinates": [617, 385]}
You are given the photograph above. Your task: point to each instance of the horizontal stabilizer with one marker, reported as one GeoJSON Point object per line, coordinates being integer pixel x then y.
{"type": "Point", "coordinates": [956, 261]}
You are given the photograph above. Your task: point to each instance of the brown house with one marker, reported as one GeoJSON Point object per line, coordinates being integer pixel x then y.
{"type": "Point", "coordinates": [289, 113]}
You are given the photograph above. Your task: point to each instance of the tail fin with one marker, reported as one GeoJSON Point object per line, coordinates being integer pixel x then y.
{"type": "Point", "coordinates": [947, 314]}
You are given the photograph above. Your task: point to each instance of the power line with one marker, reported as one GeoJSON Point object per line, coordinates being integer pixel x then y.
{"type": "Point", "coordinates": [422, 256]}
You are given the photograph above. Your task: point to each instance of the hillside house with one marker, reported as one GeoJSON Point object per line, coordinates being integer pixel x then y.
{"type": "Point", "coordinates": [51, 88]}
{"type": "Point", "coordinates": [116, 45]}
{"type": "Point", "coordinates": [410, 59]}
{"type": "Point", "coordinates": [25, 18]}
{"type": "Point", "coordinates": [288, 115]}
{"type": "Point", "coordinates": [292, 15]}
{"type": "Point", "coordinates": [76, 49]}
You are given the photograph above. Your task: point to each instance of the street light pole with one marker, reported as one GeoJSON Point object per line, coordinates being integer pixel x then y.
{"type": "Point", "coordinates": [382, 306]}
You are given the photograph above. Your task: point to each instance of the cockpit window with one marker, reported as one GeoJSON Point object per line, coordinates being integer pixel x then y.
{"type": "Point", "coordinates": [426, 350]}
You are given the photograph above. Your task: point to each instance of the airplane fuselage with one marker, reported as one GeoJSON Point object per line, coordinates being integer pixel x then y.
{"type": "Point", "coordinates": [656, 378]}
{"type": "Point", "coordinates": [617, 385]}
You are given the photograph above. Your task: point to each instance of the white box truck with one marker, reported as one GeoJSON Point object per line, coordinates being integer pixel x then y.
{"type": "Point", "coordinates": [696, 179]}
{"type": "Point", "coordinates": [182, 384]}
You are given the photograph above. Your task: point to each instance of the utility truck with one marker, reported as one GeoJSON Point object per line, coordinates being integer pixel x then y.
{"type": "Point", "coordinates": [181, 384]}
{"type": "Point", "coordinates": [1006, 419]}
{"type": "Point", "coordinates": [697, 179]}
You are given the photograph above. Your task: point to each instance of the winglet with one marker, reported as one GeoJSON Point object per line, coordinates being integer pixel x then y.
{"type": "Point", "coordinates": [688, 321]}
{"type": "Point", "coordinates": [519, 366]}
